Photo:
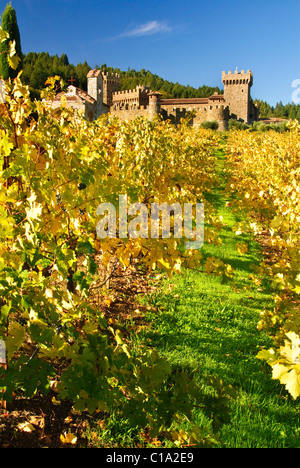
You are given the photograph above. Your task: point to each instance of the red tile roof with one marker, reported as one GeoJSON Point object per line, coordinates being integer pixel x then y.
{"type": "Point", "coordinates": [217, 97]}
{"type": "Point", "coordinates": [181, 101]}
{"type": "Point", "coordinates": [78, 97]}
{"type": "Point", "coordinates": [93, 73]}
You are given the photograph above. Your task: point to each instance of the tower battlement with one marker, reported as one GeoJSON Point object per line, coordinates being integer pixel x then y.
{"type": "Point", "coordinates": [110, 75]}
{"type": "Point", "coordinates": [237, 77]}
{"type": "Point", "coordinates": [236, 72]}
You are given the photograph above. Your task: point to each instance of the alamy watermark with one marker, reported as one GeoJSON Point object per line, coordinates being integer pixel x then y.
{"type": "Point", "coordinates": [2, 352]}
{"type": "Point", "coordinates": [296, 93]}
{"type": "Point", "coordinates": [2, 91]}
{"type": "Point", "coordinates": [188, 221]}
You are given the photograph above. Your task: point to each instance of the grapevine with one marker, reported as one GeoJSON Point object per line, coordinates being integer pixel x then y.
{"type": "Point", "coordinates": [263, 169]}
{"type": "Point", "coordinates": [57, 168]}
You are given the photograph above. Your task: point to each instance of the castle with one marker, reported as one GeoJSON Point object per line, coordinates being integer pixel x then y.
{"type": "Point", "coordinates": [104, 96]}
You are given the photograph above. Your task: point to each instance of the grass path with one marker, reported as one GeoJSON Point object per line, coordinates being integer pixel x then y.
{"type": "Point", "coordinates": [208, 327]}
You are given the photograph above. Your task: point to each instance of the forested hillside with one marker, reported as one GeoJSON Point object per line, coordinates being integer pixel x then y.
{"type": "Point", "coordinates": [289, 111]}
{"type": "Point", "coordinates": [38, 66]}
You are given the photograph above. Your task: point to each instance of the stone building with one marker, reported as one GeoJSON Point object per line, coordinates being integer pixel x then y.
{"type": "Point", "coordinates": [79, 100]}
{"type": "Point", "coordinates": [104, 96]}
{"type": "Point", "coordinates": [98, 98]}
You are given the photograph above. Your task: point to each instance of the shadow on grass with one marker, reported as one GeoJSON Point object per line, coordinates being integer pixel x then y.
{"type": "Point", "coordinates": [204, 330]}
{"type": "Point", "coordinates": [211, 331]}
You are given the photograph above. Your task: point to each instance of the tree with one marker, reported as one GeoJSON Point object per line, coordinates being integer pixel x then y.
{"type": "Point", "coordinates": [10, 25]}
{"type": "Point", "coordinates": [64, 59]}
{"type": "Point", "coordinates": [81, 70]}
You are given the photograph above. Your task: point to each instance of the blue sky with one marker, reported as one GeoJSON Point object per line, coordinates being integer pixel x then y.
{"type": "Point", "coordinates": [189, 41]}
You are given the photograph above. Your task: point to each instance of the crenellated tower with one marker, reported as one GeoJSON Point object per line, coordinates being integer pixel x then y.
{"type": "Point", "coordinates": [237, 94]}
{"type": "Point", "coordinates": [111, 84]}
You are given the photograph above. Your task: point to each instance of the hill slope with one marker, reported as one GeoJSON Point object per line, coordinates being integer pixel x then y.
{"type": "Point", "coordinates": [38, 66]}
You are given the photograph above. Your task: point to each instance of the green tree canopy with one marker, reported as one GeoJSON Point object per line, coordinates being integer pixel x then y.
{"type": "Point", "coordinates": [9, 24]}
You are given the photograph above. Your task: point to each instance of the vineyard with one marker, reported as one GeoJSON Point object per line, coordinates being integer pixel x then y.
{"type": "Point", "coordinates": [64, 333]}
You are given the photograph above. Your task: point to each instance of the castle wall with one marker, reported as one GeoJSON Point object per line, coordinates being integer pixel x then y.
{"type": "Point", "coordinates": [131, 99]}
{"type": "Point", "coordinates": [130, 114]}
{"type": "Point", "coordinates": [200, 110]}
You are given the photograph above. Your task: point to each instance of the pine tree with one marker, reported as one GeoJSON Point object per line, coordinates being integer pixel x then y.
{"type": "Point", "coordinates": [9, 24]}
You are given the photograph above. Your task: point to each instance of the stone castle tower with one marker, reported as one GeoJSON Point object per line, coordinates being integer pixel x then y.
{"type": "Point", "coordinates": [237, 94]}
{"type": "Point", "coordinates": [111, 84]}
{"type": "Point", "coordinates": [95, 89]}
{"type": "Point", "coordinates": [100, 86]}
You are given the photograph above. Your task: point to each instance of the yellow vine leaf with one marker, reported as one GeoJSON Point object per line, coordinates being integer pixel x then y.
{"type": "Point", "coordinates": [3, 35]}
{"type": "Point", "coordinates": [6, 144]}
{"type": "Point", "coordinates": [241, 248]}
{"type": "Point", "coordinates": [291, 380]}
{"type": "Point", "coordinates": [68, 438]}
{"type": "Point", "coordinates": [15, 338]}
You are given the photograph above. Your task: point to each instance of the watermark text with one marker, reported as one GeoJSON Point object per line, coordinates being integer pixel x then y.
{"type": "Point", "coordinates": [135, 221]}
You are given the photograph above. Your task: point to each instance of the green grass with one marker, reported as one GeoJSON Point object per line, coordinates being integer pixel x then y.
{"type": "Point", "coordinates": [205, 326]}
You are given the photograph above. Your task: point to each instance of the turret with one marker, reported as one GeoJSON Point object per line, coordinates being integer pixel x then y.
{"type": "Point", "coordinates": [154, 104]}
